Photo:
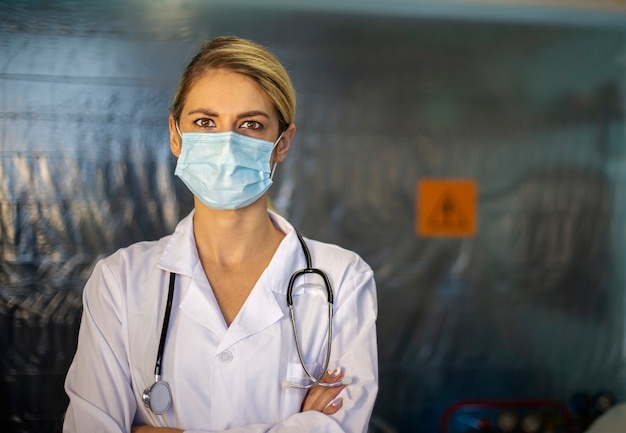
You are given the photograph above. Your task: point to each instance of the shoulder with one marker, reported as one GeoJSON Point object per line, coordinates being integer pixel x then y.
{"type": "Point", "coordinates": [350, 275]}
{"type": "Point", "coordinates": [352, 280]}
{"type": "Point", "coordinates": [137, 257]}
{"type": "Point", "coordinates": [142, 257]}
{"type": "Point", "coordinates": [126, 267]}
{"type": "Point", "coordinates": [321, 252]}
{"type": "Point", "coordinates": [337, 256]}
{"type": "Point", "coordinates": [121, 281]}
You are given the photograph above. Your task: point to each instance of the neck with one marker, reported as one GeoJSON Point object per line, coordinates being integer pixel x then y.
{"type": "Point", "coordinates": [232, 237]}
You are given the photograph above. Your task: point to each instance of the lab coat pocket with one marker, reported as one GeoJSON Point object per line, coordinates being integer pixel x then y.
{"type": "Point", "coordinates": [293, 396]}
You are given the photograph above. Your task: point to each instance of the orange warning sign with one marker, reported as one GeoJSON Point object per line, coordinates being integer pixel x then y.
{"type": "Point", "coordinates": [446, 207]}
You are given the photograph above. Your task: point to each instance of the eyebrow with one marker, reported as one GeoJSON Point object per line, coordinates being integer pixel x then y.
{"type": "Point", "coordinates": [211, 113]}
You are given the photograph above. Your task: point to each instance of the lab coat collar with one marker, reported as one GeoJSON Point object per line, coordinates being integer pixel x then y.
{"type": "Point", "coordinates": [287, 259]}
{"type": "Point", "coordinates": [265, 304]}
{"type": "Point", "coordinates": [181, 254]}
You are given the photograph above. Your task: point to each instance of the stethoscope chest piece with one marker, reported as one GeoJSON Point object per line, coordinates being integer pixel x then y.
{"type": "Point", "coordinates": [157, 397]}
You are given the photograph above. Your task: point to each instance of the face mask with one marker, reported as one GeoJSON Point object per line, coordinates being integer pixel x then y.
{"type": "Point", "coordinates": [225, 170]}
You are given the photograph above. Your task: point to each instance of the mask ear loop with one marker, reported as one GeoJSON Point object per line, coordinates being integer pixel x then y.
{"type": "Point", "coordinates": [178, 130]}
{"type": "Point", "coordinates": [275, 163]}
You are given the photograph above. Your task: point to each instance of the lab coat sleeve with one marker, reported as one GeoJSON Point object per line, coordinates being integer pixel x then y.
{"type": "Point", "coordinates": [612, 421]}
{"type": "Point", "coordinates": [98, 381]}
{"type": "Point", "coordinates": [355, 351]}
{"type": "Point", "coordinates": [305, 422]}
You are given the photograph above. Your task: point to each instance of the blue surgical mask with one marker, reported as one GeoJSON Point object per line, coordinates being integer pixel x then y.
{"type": "Point", "coordinates": [225, 170]}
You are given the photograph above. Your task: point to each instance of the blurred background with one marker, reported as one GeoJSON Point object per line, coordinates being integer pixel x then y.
{"type": "Point", "coordinates": [524, 99]}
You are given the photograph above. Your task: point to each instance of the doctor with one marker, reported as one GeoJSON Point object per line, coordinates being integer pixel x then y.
{"type": "Point", "coordinates": [229, 356]}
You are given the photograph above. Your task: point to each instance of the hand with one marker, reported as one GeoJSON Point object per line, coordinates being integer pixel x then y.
{"type": "Point", "coordinates": [324, 398]}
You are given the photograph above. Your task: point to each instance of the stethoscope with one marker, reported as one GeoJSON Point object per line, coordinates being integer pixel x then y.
{"type": "Point", "coordinates": [158, 396]}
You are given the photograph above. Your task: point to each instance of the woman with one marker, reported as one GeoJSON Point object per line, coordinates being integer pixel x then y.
{"type": "Point", "coordinates": [229, 357]}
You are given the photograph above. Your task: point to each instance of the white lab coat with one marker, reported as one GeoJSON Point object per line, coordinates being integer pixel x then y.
{"type": "Point", "coordinates": [612, 421]}
{"type": "Point", "coordinates": [222, 378]}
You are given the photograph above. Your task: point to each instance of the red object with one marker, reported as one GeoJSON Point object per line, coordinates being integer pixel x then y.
{"type": "Point", "coordinates": [494, 405]}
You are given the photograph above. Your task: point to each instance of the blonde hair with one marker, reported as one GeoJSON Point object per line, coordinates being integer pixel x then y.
{"type": "Point", "coordinates": [245, 57]}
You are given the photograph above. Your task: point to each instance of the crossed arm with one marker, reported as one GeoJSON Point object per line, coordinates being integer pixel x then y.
{"type": "Point", "coordinates": [320, 398]}
{"type": "Point", "coordinates": [89, 403]}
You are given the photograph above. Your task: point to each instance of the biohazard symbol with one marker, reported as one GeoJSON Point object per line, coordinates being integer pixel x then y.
{"type": "Point", "coordinates": [446, 208]}
{"type": "Point", "coordinates": [447, 214]}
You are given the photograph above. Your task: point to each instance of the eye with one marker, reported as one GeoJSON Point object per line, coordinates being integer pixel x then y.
{"type": "Point", "coordinates": [251, 124]}
{"type": "Point", "coordinates": [204, 122]}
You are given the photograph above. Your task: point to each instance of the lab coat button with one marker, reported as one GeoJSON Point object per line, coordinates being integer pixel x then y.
{"type": "Point", "coordinates": [225, 357]}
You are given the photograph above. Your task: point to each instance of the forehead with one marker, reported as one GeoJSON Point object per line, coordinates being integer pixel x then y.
{"type": "Point", "coordinates": [227, 91]}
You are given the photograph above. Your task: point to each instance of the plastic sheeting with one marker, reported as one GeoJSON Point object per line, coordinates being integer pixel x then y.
{"type": "Point", "coordinates": [530, 307]}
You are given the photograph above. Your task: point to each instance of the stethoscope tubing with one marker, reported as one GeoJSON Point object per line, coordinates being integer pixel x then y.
{"type": "Point", "coordinates": [159, 387]}
{"type": "Point", "coordinates": [166, 323]}
{"type": "Point", "coordinates": [315, 380]}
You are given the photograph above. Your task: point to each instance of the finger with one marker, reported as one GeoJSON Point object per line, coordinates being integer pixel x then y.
{"type": "Point", "coordinates": [329, 396]}
{"type": "Point", "coordinates": [333, 375]}
{"type": "Point", "coordinates": [319, 397]}
{"type": "Point", "coordinates": [334, 406]}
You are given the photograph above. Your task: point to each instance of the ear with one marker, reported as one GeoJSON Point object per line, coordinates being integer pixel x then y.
{"type": "Point", "coordinates": [175, 140]}
{"type": "Point", "coordinates": [282, 148]}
